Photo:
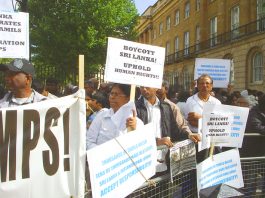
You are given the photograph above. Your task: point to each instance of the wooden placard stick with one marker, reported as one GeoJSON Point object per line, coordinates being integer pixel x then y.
{"type": "Point", "coordinates": [81, 72]}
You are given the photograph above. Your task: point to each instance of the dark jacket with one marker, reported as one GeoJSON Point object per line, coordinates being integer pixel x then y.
{"type": "Point", "coordinates": [256, 121]}
{"type": "Point", "coordinates": [168, 123]}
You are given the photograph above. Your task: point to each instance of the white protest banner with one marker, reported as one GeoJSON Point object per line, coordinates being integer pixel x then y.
{"type": "Point", "coordinates": [237, 126]}
{"type": "Point", "coordinates": [182, 157]}
{"type": "Point", "coordinates": [224, 168]}
{"type": "Point", "coordinates": [14, 35]}
{"type": "Point", "coordinates": [218, 69]}
{"type": "Point", "coordinates": [134, 63]}
{"type": "Point", "coordinates": [42, 149]}
{"type": "Point", "coordinates": [116, 173]}
{"type": "Point", "coordinates": [217, 126]}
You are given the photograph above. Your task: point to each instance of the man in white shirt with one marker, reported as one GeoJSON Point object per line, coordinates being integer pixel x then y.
{"type": "Point", "coordinates": [195, 103]}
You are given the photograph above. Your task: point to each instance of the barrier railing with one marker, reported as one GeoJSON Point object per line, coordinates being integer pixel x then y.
{"type": "Point", "coordinates": [184, 184]}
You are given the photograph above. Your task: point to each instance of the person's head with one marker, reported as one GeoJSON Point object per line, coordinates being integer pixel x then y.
{"type": "Point", "coordinates": [232, 99]}
{"type": "Point", "coordinates": [52, 86]}
{"type": "Point", "coordinates": [38, 86]}
{"type": "Point", "coordinates": [89, 87]}
{"type": "Point", "coordinates": [18, 76]}
{"type": "Point", "coordinates": [205, 84]}
{"type": "Point", "coordinates": [148, 93]}
{"type": "Point", "coordinates": [242, 102]}
{"type": "Point", "coordinates": [98, 101]}
{"type": "Point", "coordinates": [183, 96]}
{"type": "Point", "coordinates": [119, 95]}
{"type": "Point", "coordinates": [162, 93]}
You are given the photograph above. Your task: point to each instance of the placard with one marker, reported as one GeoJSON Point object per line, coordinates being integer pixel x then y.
{"type": "Point", "coordinates": [134, 63]}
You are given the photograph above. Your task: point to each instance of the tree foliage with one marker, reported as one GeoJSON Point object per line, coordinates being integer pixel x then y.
{"type": "Point", "coordinates": [62, 29]}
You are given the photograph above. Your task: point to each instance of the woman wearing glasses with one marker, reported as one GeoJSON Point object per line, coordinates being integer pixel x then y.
{"type": "Point", "coordinates": [115, 121]}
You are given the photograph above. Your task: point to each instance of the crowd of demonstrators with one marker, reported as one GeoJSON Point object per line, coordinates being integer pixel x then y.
{"type": "Point", "coordinates": [173, 120]}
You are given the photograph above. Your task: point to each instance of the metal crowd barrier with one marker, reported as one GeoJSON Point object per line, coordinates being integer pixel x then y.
{"type": "Point", "coordinates": [184, 185]}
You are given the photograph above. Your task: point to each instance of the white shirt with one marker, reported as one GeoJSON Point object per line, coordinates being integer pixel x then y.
{"type": "Point", "coordinates": [195, 104]}
{"type": "Point", "coordinates": [154, 117]}
{"type": "Point", "coordinates": [108, 125]}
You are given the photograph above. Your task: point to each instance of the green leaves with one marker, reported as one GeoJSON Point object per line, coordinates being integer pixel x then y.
{"type": "Point", "coordinates": [62, 29]}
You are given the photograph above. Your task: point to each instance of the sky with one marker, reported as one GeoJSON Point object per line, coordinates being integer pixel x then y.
{"type": "Point", "coordinates": [141, 5]}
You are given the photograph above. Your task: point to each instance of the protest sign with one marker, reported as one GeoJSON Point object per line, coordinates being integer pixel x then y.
{"type": "Point", "coordinates": [14, 35]}
{"type": "Point", "coordinates": [237, 126]}
{"type": "Point", "coordinates": [182, 157]}
{"type": "Point", "coordinates": [134, 63]}
{"type": "Point", "coordinates": [217, 126]}
{"type": "Point", "coordinates": [120, 166]}
{"type": "Point", "coordinates": [224, 168]}
{"type": "Point", "coordinates": [218, 69]}
{"type": "Point", "coordinates": [42, 148]}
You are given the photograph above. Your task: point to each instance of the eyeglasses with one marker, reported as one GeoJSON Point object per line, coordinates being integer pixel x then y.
{"type": "Point", "coordinates": [114, 94]}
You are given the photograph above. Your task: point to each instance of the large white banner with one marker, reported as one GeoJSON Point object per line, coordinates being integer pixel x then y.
{"type": "Point", "coordinates": [120, 166]}
{"type": "Point", "coordinates": [134, 63]}
{"type": "Point", "coordinates": [223, 168]}
{"type": "Point", "coordinates": [14, 35]}
{"type": "Point", "coordinates": [42, 149]}
{"type": "Point", "coordinates": [216, 130]}
{"type": "Point", "coordinates": [218, 69]}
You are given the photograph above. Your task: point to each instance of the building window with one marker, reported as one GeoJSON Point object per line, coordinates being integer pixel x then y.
{"type": "Point", "coordinates": [213, 31]}
{"type": "Point", "coordinates": [186, 43]}
{"type": "Point", "coordinates": [198, 36]}
{"type": "Point", "coordinates": [168, 23]}
{"type": "Point", "coordinates": [176, 46]}
{"type": "Point", "coordinates": [260, 9]}
{"type": "Point", "coordinates": [160, 28]}
{"type": "Point", "coordinates": [198, 4]}
{"type": "Point", "coordinates": [167, 48]}
{"type": "Point", "coordinates": [257, 67]}
{"type": "Point", "coordinates": [261, 14]}
{"type": "Point", "coordinates": [154, 33]}
{"type": "Point", "coordinates": [187, 10]}
{"type": "Point", "coordinates": [177, 17]}
{"type": "Point", "coordinates": [235, 21]}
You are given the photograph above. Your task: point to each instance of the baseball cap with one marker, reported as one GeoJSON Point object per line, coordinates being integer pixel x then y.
{"type": "Point", "coordinates": [19, 65]}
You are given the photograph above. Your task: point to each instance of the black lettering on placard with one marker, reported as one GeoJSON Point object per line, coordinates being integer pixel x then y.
{"type": "Point", "coordinates": [30, 138]}
{"type": "Point", "coordinates": [8, 140]}
{"type": "Point", "coordinates": [51, 119]}
{"type": "Point", "coordinates": [66, 139]}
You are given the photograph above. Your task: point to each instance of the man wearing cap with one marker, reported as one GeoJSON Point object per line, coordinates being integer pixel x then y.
{"type": "Point", "coordinates": [18, 78]}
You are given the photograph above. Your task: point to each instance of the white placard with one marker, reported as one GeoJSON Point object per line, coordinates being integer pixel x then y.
{"type": "Point", "coordinates": [217, 126]}
{"type": "Point", "coordinates": [14, 35]}
{"type": "Point", "coordinates": [237, 126]}
{"type": "Point", "coordinates": [224, 168]}
{"type": "Point", "coordinates": [218, 69]}
{"type": "Point", "coordinates": [46, 144]}
{"type": "Point", "coordinates": [134, 63]}
{"type": "Point", "coordinates": [112, 172]}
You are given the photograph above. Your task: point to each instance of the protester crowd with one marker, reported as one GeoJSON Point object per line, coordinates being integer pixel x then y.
{"type": "Point", "coordinates": [173, 118]}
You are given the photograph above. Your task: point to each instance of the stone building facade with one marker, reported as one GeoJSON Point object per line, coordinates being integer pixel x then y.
{"type": "Point", "coordinates": [189, 29]}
